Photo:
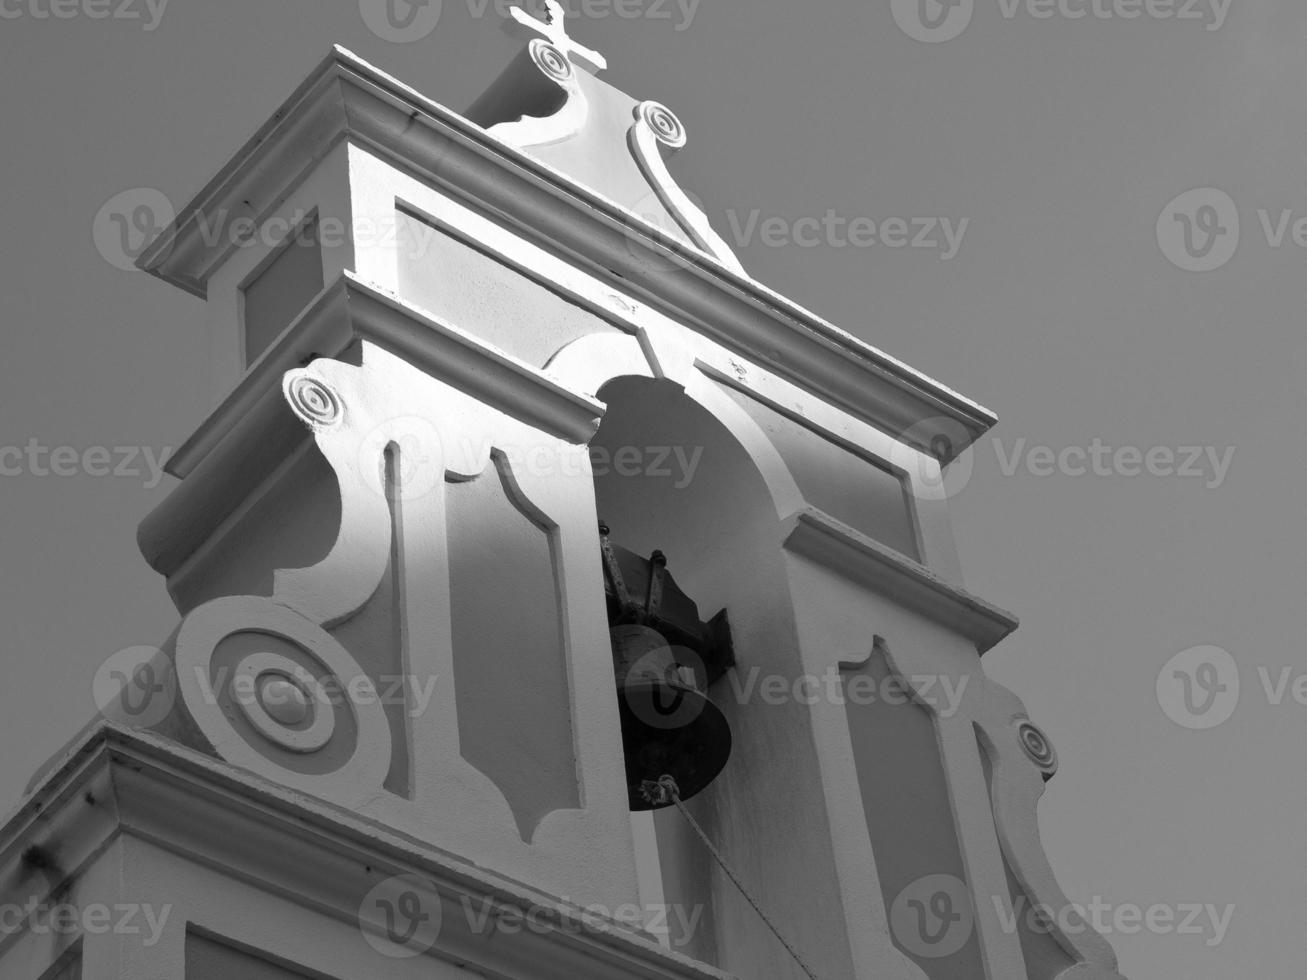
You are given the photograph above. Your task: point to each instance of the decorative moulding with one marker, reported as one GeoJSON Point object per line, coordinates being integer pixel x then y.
{"type": "Point", "coordinates": [346, 99]}
{"type": "Point", "coordinates": [655, 124]}
{"type": "Point", "coordinates": [351, 309]}
{"type": "Point", "coordinates": [819, 536]}
{"type": "Point", "coordinates": [250, 433]}
{"type": "Point", "coordinates": [552, 103]}
{"type": "Point", "coordinates": [114, 781]}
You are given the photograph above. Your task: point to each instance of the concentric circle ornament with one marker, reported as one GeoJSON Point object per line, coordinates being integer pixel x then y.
{"type": "Point", "coordinates": [312, 399]}
{"type": "Point", "coordinates": [400, 917]}
{"type": "Point", "coordinates": [278, 696]}
{"type": "Point", "coordinates": [287, 701]}
{"type": "Point", "coordinates": [1038, 747]}
{"type": "Point", "coordinates": [664, 123]}
{"type": "Point", "coordinates": [260, 687]}
{"type": "Point", "coordinates": [551, 60]}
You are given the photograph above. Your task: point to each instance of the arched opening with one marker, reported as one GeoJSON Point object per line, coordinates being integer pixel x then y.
{"type": "Point", "coordinates": [671, 476]}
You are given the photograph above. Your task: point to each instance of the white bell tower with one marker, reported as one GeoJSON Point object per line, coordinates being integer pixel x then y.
{"type": "Point", "coordinates": [386, 738]}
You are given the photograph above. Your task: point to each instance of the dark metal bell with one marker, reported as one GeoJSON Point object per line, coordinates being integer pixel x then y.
{"type": "Point", "coordinates": [669, 727]}
{"type": "Point", "coordinates": [664, 658]}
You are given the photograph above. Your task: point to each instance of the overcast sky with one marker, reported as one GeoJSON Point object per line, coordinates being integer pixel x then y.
{"type": "Point", "coordinates": [1110, 322]}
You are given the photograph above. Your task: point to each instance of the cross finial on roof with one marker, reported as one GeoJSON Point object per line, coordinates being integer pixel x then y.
{"type": "Point", "coordinates": [555, 31]}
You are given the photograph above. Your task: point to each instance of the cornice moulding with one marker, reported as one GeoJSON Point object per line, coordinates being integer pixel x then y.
{"type": "Point", "coordinates": [352, 309]}
{"type": "Point", "coordinates": [253, 431]}
{"type": "Point", "coordinates": [818, 536]}
{"type": "Point", "coordinates": [115, 781]}
{"type": "Point", "coordinates": [348, 99]}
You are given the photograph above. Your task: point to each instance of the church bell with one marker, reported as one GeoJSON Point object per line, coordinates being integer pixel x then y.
{"type": "Point", "coordinates": [664, 658]}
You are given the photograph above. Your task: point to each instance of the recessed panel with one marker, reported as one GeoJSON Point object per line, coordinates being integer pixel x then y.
{"type": "Point", "coordinates": [510, 671]}
{"type": "Point", "coordinates": [478, 293]}
{"type": "Point", "coordinates": [207, 959]}
{"type": "Point", "coordinates": [910, 818]}
{"type": "Point", "coordinates": [281, 290]}
{"type": "Point", "coordinates": [849, 487]}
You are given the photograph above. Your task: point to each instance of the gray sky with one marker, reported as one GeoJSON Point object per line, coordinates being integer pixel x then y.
{"type": "Point", "coordinates": [1059, 140]}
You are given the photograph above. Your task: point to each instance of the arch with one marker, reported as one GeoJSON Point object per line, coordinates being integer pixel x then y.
{"type": "Point", "coordinates": [591, 363]}
{"type": "Point", "coordinates": [718, 512]}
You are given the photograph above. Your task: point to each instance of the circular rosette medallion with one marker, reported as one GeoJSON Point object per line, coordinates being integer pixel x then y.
{"type": "Point", "coordinates": [551, 60]}
{"type": "Point", "coordinates": [1037, 747]}
{"type": "Point", "coordinates": [664, 123]}
{"type": "Point", "coordinates": [275, 693]}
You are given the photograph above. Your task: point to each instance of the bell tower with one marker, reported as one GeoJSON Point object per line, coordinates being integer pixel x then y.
{"type": "Point", "coordinates": [555, 599]}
